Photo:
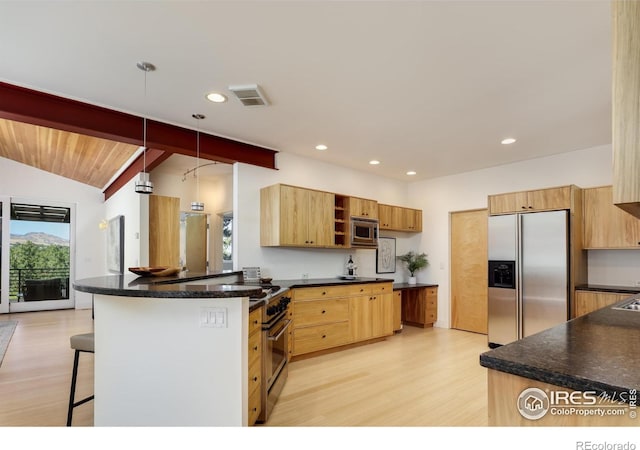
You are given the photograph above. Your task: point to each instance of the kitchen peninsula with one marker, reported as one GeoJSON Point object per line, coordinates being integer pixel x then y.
{"type": "Point", "coordinates": [173, 351]}
{"type": "Point", "coordinates": [170, 351]}
{"type": "Point", "coordinates": [569, 374]}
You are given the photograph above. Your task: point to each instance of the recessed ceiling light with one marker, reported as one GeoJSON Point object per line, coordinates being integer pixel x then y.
{"type": "Point", "coordinates": [321, 147]}
{"type": "Point", "coordinates": [411, 172]}
{"type": "Point", "coordinates": [507, 141]}
{"type": "Point", "coordinates": [374, 162]}
{"type": "Point", "coordinates": [216, 97]}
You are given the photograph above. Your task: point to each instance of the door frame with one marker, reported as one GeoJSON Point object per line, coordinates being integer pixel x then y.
{"type": "Point", "coordinates": [45, 305]}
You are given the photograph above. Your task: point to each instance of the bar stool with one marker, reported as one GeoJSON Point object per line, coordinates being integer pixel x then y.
{"type": "Point", "coordinates": [80, 343]}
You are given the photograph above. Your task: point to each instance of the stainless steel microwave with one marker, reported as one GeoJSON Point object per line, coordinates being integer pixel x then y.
{"type": "Point", "coordinates": [364, 232]}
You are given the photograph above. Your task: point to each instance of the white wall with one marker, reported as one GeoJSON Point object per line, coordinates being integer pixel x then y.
{"type": "Point", "coordinates": [284, 264]}
{"type": "Point", "coordinates": [438, 197]}
{"type": "Point", "coordinates": [216, 192]}
{"type": "Point", "coordinates": [21, 180]}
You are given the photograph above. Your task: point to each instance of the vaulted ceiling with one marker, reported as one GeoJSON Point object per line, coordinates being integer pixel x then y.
{"type": "Point", "coordinates": [430, 86]}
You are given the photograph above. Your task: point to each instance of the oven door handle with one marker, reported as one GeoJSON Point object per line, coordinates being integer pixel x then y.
{"type": "Point", "coordinates": [281, 332]}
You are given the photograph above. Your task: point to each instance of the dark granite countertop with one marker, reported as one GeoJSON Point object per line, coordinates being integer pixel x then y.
{"type": "Point", "coordinates": [400, 286]}
{"type": "Point", "coordinates": [319, 282]}
{"type": "Point", "coordinates": [597, 352]}
{"type": "Point", "coordinates": [608, 288]}
{"type": "Point", "coordinates": [214, 285]}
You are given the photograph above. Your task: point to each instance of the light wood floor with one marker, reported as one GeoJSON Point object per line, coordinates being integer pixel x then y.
{"type": "Point", "coordinates": [429, 377]}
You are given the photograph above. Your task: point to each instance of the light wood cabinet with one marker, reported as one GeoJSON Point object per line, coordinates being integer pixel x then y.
{"type": "Point", "coordinates": [255, 365]}
{"type": "Point", "coordinates": [297, 217]}
{"type": "Point", "coordinates": [333, 316]}
{"type": "Point", "coordinates": [625, 110]}
{"type": "Point", "coordinates": [397, 218]}
{"type": "Point", "coordinates": [397, 310]}
{"type": "Point", "coordinates": [529, 201]}
{"type": "Point", "coordinates": [164, 231]}
{"type": "Point", "coordinates": [420, 306]}
{"type": "Point", "coordinates": [362, 207]}
{"type": "Point", "coordinates": [372, 314]}
{"type": "Point", "coordinates": [605, 225]}
{"type": "Point", "coordinates": [589, 301]}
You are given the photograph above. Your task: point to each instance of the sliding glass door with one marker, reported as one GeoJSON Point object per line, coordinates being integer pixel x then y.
{"type": "Point", "coordinates": [41, 254]}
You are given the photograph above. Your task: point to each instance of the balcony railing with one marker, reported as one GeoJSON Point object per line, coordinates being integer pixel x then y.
{"type": "Point", "coordinates": [39, 284]}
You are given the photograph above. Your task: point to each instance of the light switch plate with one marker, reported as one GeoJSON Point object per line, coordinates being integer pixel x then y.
{"type": "Point", "coordinates": [211, 317]}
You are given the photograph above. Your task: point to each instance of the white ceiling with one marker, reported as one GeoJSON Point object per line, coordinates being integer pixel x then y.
{"type": "Point", "coordinates": [423, 85]}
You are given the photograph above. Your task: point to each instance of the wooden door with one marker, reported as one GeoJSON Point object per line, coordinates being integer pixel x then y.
{"type": "Point", "coordinates": [469, 271]}
{"type": "Point", "coordinates": [382, 314]}
{"type": "Point", "coordinates": [164, 231]}
{"type": "Point", "coordinates": [385, 215]}
{"type": "Point", "coordinates": [606, 225]}
{"type": "Point", "coordinates": [320, 218]}
{"type": "Point", "coordinates": [294, 216]}
{"type": "Point", "coordinates": [196, 242]}
{"type": "Point", "coordinates": [550, 199]}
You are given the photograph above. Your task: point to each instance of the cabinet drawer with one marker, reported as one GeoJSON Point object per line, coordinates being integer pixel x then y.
{"type": "Point", "coordinates": [432, 292]}
{"type": "Point", "coordinates": [430, 316]}
{"type": "Point", "coordinates": [255, 377]}
{"type": "Point", "coordinates": [255, 347]}
{"type": "Point", "coordinates": [255, 320]}
{"type": "Point", "coordinates": [314, 312]}
{"type": "Point", "coordinates": [381, 288]}
{"type": "Point", "coordinates": [254, 406]}
{"type": "Point", "coordinates": [321, 292]}
{"type": "Point", "coordinates": [320, 337]}
{"type": "Point", "coordinates": [431, 303]}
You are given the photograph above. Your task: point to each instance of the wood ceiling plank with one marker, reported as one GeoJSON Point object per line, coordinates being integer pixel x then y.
{"type": "Point", "coordinates": [85, 159]}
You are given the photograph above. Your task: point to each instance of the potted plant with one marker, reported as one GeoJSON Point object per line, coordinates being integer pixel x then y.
{"type": "Point", "coordinates": [414, 262]}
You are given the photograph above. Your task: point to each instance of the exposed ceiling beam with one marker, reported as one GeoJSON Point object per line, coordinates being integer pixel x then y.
{"type": "Point", "coordinates": [39, 108]}
{"type": "Point", "coordinates": [153, 159]}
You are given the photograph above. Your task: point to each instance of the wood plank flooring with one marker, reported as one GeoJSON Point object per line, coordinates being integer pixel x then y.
{"type": "Point", "coordinates": [419, 377]}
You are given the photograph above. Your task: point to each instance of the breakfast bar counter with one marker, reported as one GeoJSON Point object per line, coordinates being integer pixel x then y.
{"type": "Point", "coordinates": [171, 351]}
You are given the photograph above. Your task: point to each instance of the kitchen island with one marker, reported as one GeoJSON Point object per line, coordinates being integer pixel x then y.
{"type": "Point", "coordinates": [171, 351]}
{"type": "Point", "coordinates": [585, 372]}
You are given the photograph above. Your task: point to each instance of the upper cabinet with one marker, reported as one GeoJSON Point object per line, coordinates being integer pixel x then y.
{"type": "Point", "coordinates": [626, 105]}
{"type": "Point", "coordinates": [396, 218]}
{"type": "Point", "coordinates": [529, 201]}
{"type": "Point", "coordinates": [293, 216]}
{"type": "Point", "coordinates": [362, 207]}
{"type": "Point", "coordinates": [605, 225]}
{"type": "Point", "coordinates": [297, 217]}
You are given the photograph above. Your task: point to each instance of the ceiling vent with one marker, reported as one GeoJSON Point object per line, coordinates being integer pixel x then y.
{"type": "Point", "coordinates": [249, 95]}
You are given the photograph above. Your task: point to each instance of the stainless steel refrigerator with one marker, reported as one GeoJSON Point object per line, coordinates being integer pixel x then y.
{"type": "Point", "coordinates": [528, 274]}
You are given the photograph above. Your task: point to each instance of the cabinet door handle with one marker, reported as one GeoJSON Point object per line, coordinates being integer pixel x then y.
{"type": "Point", "coordinates": [255, 349]}
{"type": "Point", "coordinates": [323, 311]}
{"type": "Point", "coordinates": [255, 378]}
{"type": "Point", "coordinates": [324, 336]}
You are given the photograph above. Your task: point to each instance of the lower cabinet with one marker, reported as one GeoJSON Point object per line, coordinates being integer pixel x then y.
{"type": "Point", "coordinates": [397, 310]}
{"type": "Point", "coordinates": [255, 365]}
{"type": "Point", "coordinates": [420, 306]}
{"type": "Point", "coordinates": [589, 301]}
{"type": "Point", "coordinates": [332, 316]}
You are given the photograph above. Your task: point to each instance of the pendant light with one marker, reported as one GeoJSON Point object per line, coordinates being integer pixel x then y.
{"type": "Point", "coordinates": [197, 205]}
{"type": "Point", "coordinates": [143, 185]}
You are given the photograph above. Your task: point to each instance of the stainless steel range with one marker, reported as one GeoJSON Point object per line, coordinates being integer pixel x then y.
{"type": "Point", "coordinates": [275, 350]}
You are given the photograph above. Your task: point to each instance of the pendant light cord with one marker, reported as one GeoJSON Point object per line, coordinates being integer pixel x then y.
{"type": "Point", "coordinates": [144, 128]}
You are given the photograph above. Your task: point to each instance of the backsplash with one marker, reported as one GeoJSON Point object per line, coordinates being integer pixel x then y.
{"type": "Point", "coordinates": [614, 267]}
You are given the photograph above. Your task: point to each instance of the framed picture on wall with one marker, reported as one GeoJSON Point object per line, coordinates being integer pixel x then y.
{"type": "Point", "coordinates": [386, 255]}
{"type": "Point", "coordinates": [115, 245]}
